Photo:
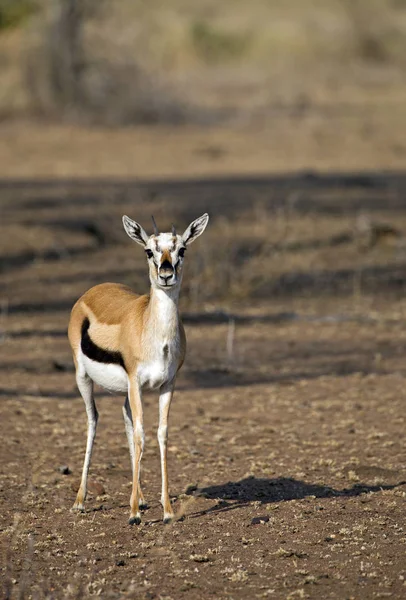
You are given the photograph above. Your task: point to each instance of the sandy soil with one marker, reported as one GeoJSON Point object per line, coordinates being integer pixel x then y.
{"type": "Point", "coordinates": [287, 460]}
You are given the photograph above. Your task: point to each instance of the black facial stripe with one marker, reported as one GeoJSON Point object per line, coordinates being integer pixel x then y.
{"type": "Point", "coordinates": [154, 261]}
{"type": "Point", "coordinates": [151, 257]}
{"type": "Point", "coordinates": [96, 353]}
{"type": "Point", "coordinates": [177, 263]}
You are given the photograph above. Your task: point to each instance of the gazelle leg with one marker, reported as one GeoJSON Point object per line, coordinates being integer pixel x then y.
{"type": "Point", "coordinates": [85, 385]}
{"type": "Point", "coordinates": [165, 397]}
{"type": "Point", "coordinates": [129, 429]}
{"type": "Point", "coordinates": [138, 437]}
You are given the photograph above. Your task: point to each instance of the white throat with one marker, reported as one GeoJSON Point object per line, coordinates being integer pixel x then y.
{"type": "Point", "coordinates": [161, 339]}
{"type": "Point", "coordinates": [164, 309]}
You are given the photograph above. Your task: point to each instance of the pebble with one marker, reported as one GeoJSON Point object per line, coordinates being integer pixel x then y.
{"type": "Point", "coordinates": [259, 520]}
{"type": "Point", "coordinates": [64, 469]}
{"type": "Point", "coordinates": [192, 487]}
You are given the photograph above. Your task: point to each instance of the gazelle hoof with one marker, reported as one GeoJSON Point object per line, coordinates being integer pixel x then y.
{"type": "Point", "coordinates": [168, 519]}
{"type": "Point", "coordinates": [78, 507]}
{"type": "Point", "coordinates": [134, 520]}
{"type": "Point", "coordinates": [143, 505]}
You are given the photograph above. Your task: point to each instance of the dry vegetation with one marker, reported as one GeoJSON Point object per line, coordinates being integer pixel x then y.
{"type": "Point", "coordinates": [177, 61]}
{"type": "Point", "coordinates": [283, 88]}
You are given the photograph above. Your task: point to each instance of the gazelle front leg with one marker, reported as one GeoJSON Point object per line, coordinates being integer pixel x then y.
{"type": "Point", "coordinates": [134, 394]}
{"type": "Point", "coordinates": [165, 397]}
{"type": "Point", "coordinates": [129, 429]}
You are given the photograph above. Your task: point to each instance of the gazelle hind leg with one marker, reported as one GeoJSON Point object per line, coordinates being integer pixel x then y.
{"type": "Point", "coordinates": [85, 385]}
{"type": "Point", "coordinates": [129, 429]}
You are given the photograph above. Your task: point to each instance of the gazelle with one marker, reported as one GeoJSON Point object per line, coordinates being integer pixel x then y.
{"type": "Point", "coordinates": [123, 342]}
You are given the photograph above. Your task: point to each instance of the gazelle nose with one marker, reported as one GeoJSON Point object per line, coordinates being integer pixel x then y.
{"type": "Point", "coordinates": [166, 271]}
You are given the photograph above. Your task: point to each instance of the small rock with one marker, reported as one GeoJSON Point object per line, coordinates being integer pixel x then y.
{"type": "Point", "coordinates": [192, 487]}
{"type": "Point", "coordinates": [259, 520]}
{"type": "Point", "coordinates": [200, 558]}
{"type": "Point", "coordinates": [64, 469]}
{"type": "Point", "coordinates": [120, 563]}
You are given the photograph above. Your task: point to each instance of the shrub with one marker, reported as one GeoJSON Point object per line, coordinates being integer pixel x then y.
{"type": "Point", "coordinates": [15, 12]}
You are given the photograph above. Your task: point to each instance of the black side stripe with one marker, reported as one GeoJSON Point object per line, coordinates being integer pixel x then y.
{"type": "Point", "coordinates": [91, 350]}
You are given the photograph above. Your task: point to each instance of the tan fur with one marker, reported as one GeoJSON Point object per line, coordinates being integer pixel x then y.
{"type": "Point", "coordinates": [117, 316]}
{"type": "Point", "coordinates": [166, 255]}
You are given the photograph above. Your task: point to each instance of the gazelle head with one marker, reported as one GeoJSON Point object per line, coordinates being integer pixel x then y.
{"type": "Point", "coordinates": [165, 251]}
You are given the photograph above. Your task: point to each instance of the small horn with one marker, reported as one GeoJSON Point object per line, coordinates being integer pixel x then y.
{"type": "Point", "coordinates": [173, 230]}
{"type": "Point", "coordinates": [156, 232]}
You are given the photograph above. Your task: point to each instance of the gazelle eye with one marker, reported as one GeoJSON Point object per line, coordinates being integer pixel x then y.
{"type": "Point", "coordinates": [149, 253]}
{"type": "Point", "coordinates": [181, 252]}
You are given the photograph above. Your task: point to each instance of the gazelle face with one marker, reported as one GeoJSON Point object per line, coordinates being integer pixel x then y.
{"type": "Point", "coordinates": [165, 251]}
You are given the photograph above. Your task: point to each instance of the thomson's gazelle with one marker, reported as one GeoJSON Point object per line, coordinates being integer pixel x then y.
{"type": "Point", "coordinates": [124, 341]}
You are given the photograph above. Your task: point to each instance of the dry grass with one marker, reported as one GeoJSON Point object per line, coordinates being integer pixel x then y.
{"type": "Point", "coordinates": [266, 252]}
{"type": "Point", "coordinates": [263, 241]}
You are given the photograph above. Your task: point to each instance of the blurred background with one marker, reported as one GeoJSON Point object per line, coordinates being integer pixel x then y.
{"type": "Point", "coordinates": [234, 86]}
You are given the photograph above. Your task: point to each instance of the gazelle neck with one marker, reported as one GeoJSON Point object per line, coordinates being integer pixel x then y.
{"type": "Point", "coordinates": [163, 309]}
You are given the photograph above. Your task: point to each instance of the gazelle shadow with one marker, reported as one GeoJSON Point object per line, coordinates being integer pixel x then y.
{"type": "Point", "coordinates": [235, 494]}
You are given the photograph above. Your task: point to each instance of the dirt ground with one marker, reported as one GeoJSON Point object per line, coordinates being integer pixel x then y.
{"type": "Point", "coordinates": [287, 455]}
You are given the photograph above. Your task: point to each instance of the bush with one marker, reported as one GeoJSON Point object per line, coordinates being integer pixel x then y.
{"type": "Point", "coordinates": [15, 12]}
{"type": "Point", "coordinates": [69, 78]}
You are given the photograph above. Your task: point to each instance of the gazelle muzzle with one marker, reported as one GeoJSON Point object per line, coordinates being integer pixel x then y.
{"type": "Point", "coordinates": [166, 273]}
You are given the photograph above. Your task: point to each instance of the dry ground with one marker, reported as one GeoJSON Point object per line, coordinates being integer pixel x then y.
{"type": "Point", "coordinates": [287, 460]}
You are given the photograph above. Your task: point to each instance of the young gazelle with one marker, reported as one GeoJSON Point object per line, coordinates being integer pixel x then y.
{"type": "Point", "coordinates": [124, 341]}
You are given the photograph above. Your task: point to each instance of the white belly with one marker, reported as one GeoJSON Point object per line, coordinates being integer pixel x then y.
{"type": "Point", "coordinates": [113, 377]}
{"type": "Point", "coordinates": [110, 376]}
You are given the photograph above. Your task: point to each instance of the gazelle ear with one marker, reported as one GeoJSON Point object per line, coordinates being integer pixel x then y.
{"type": "Point", "coordinates": [195, 229]}
{"type": "Point", "coordinates": [135, 231]}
